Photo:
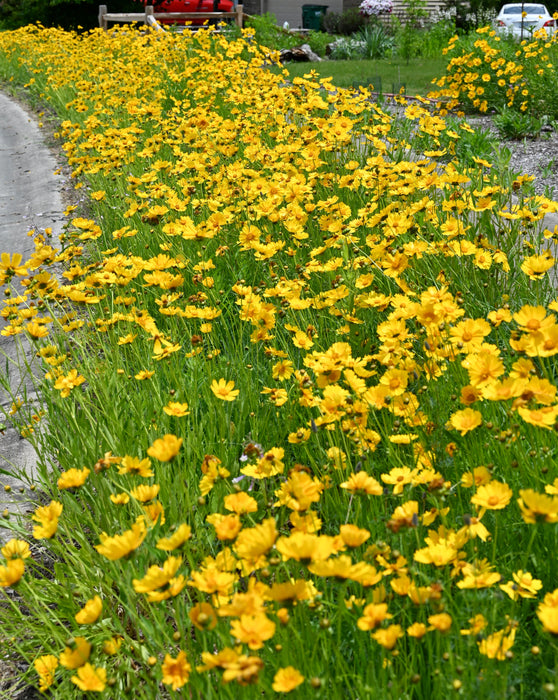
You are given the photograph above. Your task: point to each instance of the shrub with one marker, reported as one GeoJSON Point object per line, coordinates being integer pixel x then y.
{"type": "Point", "coordinates": [269, 34]}
{"type": "Point", "coordinates": [436, 38]}
{"type": "Point", "coordinates": [318, 42]}
{"type": "Point", "coordinates": [346, 23]}
{"type": "Point", "coordinates": [377, 43]}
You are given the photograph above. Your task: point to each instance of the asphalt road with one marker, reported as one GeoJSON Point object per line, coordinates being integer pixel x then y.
{"type": "Point", "coordinates": [30, 198]}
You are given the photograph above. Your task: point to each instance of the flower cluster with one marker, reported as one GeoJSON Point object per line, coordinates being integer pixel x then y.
{"type": "Point", "coordinates": [372, 8]}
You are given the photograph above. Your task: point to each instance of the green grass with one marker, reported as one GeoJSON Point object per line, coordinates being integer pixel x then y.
{"type": "Point", "coordinates": [416, 75]}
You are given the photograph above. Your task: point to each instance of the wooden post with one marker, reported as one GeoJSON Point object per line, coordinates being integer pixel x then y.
{"type": "Point", "coordinates": [239, 18]}
{"type": "Point", "coordinates": [102, 20]}
{"type": "Point", "coordinates": [150, 20]}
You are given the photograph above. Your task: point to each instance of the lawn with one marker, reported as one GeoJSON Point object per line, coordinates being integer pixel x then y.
{"type": "Point", "coordinates": [386, 75]}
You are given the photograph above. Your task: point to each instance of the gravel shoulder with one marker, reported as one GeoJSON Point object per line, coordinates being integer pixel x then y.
{"type": "Point", "coordinates": [538, 157]}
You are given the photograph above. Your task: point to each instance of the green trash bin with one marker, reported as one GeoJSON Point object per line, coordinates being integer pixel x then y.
{"type": "Point", "coordinates": [312, 16]}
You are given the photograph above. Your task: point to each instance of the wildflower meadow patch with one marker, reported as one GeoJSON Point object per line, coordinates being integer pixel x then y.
{"type": "Point", "coordinates": [298, 414]}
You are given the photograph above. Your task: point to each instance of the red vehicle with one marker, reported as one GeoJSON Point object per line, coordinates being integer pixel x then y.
{"type": "Point", "coordinates": [189, 6]}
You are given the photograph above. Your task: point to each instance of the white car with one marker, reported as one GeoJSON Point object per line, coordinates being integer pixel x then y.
{"type": "Point", "coordinates": [521, 20]}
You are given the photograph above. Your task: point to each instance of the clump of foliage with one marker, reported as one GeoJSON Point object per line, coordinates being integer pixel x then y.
{"type": "Point", "coordinates": [512, 124]}
{"type": "Point", "coordinates": [345, 23]}
{"type": "Point", "coordinates": [267, 33]}
{"type": "Point", "coordinates": [373, 41]}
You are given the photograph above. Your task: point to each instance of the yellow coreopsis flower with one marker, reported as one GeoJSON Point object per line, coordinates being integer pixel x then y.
{"type": "Point", "coordinates": [343, 568]}
{"type": "Point", "coordinates": [254, 542]}
{"type": "Point", "coordinates": [478, 575]}
{"type": "Point", "coordinates": [522, 586]}
{"type": "Point", "coordinates": [176, 672]}
{"type": "Point", "coordinates": [112, 646]}
{"type": "Point", "coordinates": [47, 517]}
{"type": "Point", "coordinates": [226, 527]}
{"type": "Point", "coordinates": [496, 645]}
{"type": "Point", "coordinates": [145, 492]}
{"type": "Point", "coordinates": [66, 383]}
{"type": "Point", "coordinates": [479, 475]}
{"type": "Point", "coordinates": [439, 554]}
{"type": "Point", "coordinates": [538, 506]}
{"type": "Point", "coordinates": [353, 536]}
{"type": "Point", "coordinates": [253, 630]}
{"type": "Point", "coordinates": [166, 448]}
{"type": "Point", "coordinates": [90, 678]}
{"type": "Point", "coordinates": [309, 522]}
{"type": "Point", "coordinates": [543, 417]}
{"type": "Point", "coordinates": [548, 615]}
{"type": "Point", "coordinates": [373, 615]}
{"type": "Point", "coordinates": [16, 549]}
{"type": "Point", "coordinates": [119, 499]}
{"type": "Point", "coordinates": [478, 623]}
{"type": "Point", "coordinates": [304, 547]}
{"type": "Point", "coordinates": [37, 330]}
{"type": "Point", "coordinates": [399, 477]}
{"type": "Point", "coordinates": [12, 572]}
{"type": "Point", "coordinates": [287, 679]}
{"type": "Point", "coordinates": [45, 666]}
{"type": "Point", "coordinates": [213, 581]}
{"type": "Point", "coordinates": [466, 420]}
{"type": "Point", "coordinates": [282, 370]}
{"type": "Point", "coordinates": [299, 491]}
{"type": "Point", "coordinates": [492, 496]}
{"type": "Point", "coordinates": [176, 540]}
{"type": "Point", "coordinates": [77, 654]}
{"type": "Point", "coordinates": [176, 408]}
{"type": "Point", "coordinates": [73, 478]}
{"type": "Point", "coordinates": [134, 465]}
{"type": "Point", "coordinates": [10, 266]}
{"type": "Point", "coordinates": [119, 546]}
{"type": "Point", "coordinates": [536, 266]}
{"type": "Point", "coordinates": [90, 612]}
{"type": "Point", "coordinates": [157, 576]}
{"type": "Point", "coordinates": [387, 637]}
{"type": "Point", "coordinates": [417, 630]}
{"type": "Point", "coordinates": [292, 591]}
{"type": "Point", "coordinates": [441, 622]}
{"type": "Point", "coordinates": [240, 503]}
{"type": "Point", "coordinates": [224, 390]}
{"type": "Point", "coordinates": [361, 482]}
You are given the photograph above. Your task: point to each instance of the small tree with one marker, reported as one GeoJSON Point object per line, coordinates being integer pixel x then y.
{"type": "Point", "coordinates": [415, 12]}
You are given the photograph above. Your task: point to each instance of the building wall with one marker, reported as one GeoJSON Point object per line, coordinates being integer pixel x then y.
{"type": "Point", "coordinates": [289, 10]}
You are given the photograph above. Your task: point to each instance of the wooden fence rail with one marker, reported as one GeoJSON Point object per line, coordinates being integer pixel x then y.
{"type": "Point", "coordinates": [151, 18]}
